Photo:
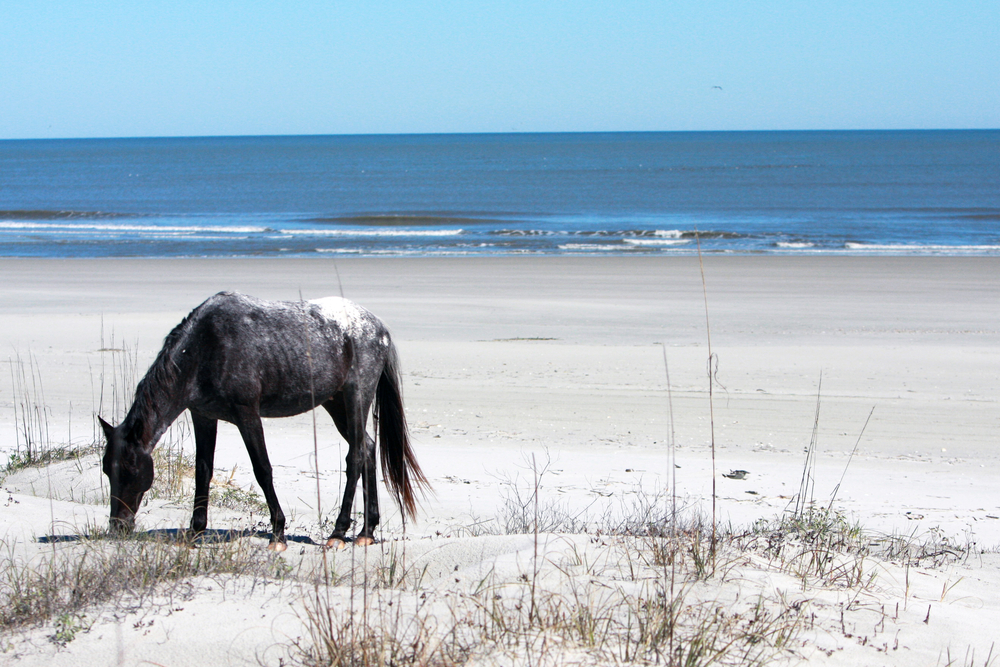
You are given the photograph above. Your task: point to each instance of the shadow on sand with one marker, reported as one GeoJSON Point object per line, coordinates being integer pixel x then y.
{"type": "Point", "coordinates": [179, 536]}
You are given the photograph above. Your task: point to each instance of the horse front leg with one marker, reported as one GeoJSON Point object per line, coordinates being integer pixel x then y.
{"type": "Point", "coordinates": [205, 431]}
{"type": "Point", "coordinates": [248, 422]}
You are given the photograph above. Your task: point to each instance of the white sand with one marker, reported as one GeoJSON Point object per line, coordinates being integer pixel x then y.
{"type": "Point", "coordinates": [560, 359]}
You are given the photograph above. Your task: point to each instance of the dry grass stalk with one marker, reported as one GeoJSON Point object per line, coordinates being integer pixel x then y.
{"type": "Point", "coordinates": [807, 485]}
{"type": "Point", "coordinates": [31, 414]}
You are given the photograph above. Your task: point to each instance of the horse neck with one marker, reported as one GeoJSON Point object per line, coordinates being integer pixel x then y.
{"type": "Point", "coordinates": [155, 408]}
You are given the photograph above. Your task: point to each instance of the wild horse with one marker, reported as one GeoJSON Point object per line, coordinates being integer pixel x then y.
{"type": "Point", "coordinates": [238, 358]}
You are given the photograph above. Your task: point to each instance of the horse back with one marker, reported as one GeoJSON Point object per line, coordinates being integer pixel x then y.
{"type": "Point", "coordinates": [284, 357]}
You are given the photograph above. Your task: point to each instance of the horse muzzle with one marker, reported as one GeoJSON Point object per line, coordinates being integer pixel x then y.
{"type": "Point", "coordinates": [122, 521]}
{"type": "Point", "coordinates": [121, 526]}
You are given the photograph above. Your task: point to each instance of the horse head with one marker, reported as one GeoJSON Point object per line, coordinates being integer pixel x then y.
{"type": "Point", "coordinates": [130, 471]}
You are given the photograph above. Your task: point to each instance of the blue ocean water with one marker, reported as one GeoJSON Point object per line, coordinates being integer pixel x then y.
{"type": "Point", "coordinates": [850, 192]}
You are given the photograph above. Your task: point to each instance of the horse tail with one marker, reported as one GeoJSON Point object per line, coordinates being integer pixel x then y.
{"type": "Point", "coordinates": [399, 466]}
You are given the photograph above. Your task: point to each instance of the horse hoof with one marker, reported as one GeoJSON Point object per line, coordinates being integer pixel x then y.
{"type": "Point", "coordinates": [277, 547]}
{"type": "Point", "coordinates": [364, 541]}
{"type": "Point", "coordinates": [336, 543]}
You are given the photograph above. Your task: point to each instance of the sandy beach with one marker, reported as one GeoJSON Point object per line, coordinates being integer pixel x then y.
{"type": "Point", "coordinates": [560, 361]}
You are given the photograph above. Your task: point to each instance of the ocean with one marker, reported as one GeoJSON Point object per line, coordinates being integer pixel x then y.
{"type": "Point", "coordinates": [843, 192]}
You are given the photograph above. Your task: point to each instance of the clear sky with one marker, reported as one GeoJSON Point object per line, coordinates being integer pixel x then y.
{"type": "Point", "coordinates": [214, 67]}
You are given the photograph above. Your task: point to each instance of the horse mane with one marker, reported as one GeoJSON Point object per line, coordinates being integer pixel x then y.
{"type": "Point", "coordinates": [155, 387]}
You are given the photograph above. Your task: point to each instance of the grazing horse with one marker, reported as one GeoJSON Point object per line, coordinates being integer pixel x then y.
{"type": "Point", "coordinates": [238, 358]}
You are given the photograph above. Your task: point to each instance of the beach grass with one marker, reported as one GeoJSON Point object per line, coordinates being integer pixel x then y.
{"type": "Point", "coordinates": [93, 572]}
{"type": "Point", "coordinates": [621, 607]}
{"type": "Point", "coordinates": [645, 588]}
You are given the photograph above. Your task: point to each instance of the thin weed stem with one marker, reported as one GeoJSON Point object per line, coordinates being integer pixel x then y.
{"type": "Point", "coordinates": [833, 496]}
{"type": "Point", "coordinates": [712, 362]}
{"type": "Point", "coordinates": [672, 462]}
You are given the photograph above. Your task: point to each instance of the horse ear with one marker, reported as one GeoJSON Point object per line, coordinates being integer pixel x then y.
{"type": "Point", "coordinates": [109, 430]}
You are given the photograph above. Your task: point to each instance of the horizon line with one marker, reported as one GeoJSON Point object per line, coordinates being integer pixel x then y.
{"type": "Point", "coordinates": [497, 133]}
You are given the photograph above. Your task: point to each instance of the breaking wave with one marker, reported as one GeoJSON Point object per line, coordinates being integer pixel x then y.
{"type": "Point", "coordinates": [375, 232]}
{"type": "Point", "coordinates": [130, 228]}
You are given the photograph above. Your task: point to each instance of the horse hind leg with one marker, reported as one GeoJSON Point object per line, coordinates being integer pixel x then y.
{"type": "Point", "coordinates": [369, 481]}
{"type": "Point", "coordinates": [349, 418]}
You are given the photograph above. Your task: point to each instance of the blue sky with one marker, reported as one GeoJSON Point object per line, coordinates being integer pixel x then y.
{"type": "Point", "coordinates": [98, 69]}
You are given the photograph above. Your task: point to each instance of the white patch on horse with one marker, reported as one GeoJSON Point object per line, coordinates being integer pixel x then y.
{"type": "Point", "coordinates": [348, 315]}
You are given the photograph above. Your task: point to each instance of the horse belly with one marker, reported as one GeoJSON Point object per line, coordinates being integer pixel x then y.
{"type": "Point", "coordinates": [283, 398]}
{"type": "Point", "coordinates": [284, 408]}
